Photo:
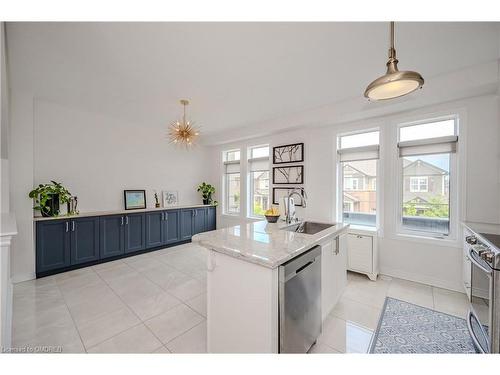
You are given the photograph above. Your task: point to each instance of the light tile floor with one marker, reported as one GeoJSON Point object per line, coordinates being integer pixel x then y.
{"type": "Point", "coordinates": [156, 303]}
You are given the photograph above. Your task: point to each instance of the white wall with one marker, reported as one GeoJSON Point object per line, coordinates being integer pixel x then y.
{"type": "Point", "coordinates": [418, 260]}
{"type": "Point", "coordinates": [96, 157]}
{"type": "Point", "coordinates": [4, 125]}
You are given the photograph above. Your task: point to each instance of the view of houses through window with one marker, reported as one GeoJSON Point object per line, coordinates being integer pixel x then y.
{"type": "Point", "coordinates": [358, 156]}
{"type": "Point", "coordinates": [259, 180]}
{"type": "Point", "coordinates": [232, 188]}
{"type": "Point", "coordinates": [426, 150]}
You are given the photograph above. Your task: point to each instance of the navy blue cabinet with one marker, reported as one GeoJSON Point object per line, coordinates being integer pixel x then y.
{"type": "Point", "coordinates": [112, 236]}
{"type": "Point", "coordinates": [84, 240]}
{"type": "Point", "coordinates": [52, 245]}
{"type": "Point", "coordinates": [187, 223]}
{"type": "Point", "coordinates": [211, 219]}
{"type": "Point", "coordinates": [135, 232]}
{"type": "Point", "coordinates": [200, 220]}
{"type": "Point", "coordinates": [155, 229]}
{"type": "Point", "coordinates": [171, 227]}
{"type": "Point", "coordinates": [66, 244]}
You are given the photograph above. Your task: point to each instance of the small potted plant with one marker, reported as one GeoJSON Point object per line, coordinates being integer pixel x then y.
{"type": "Point", "coordinates": [206, 193]}
{"type": "Point", "coordinates": [48, 197]}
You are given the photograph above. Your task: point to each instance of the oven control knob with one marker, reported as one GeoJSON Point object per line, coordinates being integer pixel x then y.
{"type": "Point", "coordinates": [471, 240]}
{"type": "Point", "coordinates": [488, 256]}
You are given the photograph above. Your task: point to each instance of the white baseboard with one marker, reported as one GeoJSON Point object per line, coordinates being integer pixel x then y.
{"type": "Point", "coordinates": [423, 279]}
{"type": "Point", "coordinates": [23, 277]}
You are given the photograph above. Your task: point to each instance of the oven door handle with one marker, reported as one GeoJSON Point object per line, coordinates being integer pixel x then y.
{"type": "Point", "coordinates": [472, 255]}
{"type": "Point", "coordinates": [470, 316]}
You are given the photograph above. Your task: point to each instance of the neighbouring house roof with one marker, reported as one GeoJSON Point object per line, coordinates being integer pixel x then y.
{"type": "Point", "coordinates": [350, 197]}
{"type": "Point", "coordinates": [423, 164]}
{"type": "Point", "coordinates": [365, 167]}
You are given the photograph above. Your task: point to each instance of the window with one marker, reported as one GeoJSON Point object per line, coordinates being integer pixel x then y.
{"type": "Point", "coordinates": [358, 155]}
{"type": "Point", "coordinates": [426, 151]}
{"type": "Point", "coordinates": [419, 184]}
{"type": "Point", "coordinates": [231, 181]}
{"type": "Point", "coordinates": [258, 163]}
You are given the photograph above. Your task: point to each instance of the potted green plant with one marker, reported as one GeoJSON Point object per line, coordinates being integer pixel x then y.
{"type": "Point", "coordinates": [48, 197]}
{"type": "Point", "coordinates": [206, 192]}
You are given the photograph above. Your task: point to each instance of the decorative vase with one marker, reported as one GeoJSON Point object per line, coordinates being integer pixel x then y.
{"type": "Point", "coordinates": [207, 200]}
{"type": "Point", "coordinates": [53, 204]}
{"type": "Point", "coordinates": [157, 205]}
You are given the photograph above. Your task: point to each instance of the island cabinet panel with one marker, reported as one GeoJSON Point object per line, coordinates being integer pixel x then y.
{"type": "Point", "coordinates": [333, 273]}
{"type": "Point", "coordinates": [187, 224]}
{"type": "Point", "coordinates": [171, 226]}
{"type": "Point", "coordinates": [155, 229]}
{"type": "Point", "coordinates": [112, 236]}
{"type": "Point", "coordinates": [84, 240]}
{"type": "Point", "coordinates": [135, 232]}
{"type": "Point", "coordinates": [200, 220]}
{"type": "Point", "coordinates": [211, 219]}
{"type": "Point", "coordinates": [52, 245]}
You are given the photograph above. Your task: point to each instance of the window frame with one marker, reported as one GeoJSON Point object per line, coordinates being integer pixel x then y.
{"type": "Point", "coordinates": [340, 180]}
{"type": "Point", "coordinates": [250, 182]}
{"type": "Point", "coordinates": [419, 180]}
{"type": "Point", "coordinates": [225, 183]}
{"type": "Point", "coordinates": [455, 184]}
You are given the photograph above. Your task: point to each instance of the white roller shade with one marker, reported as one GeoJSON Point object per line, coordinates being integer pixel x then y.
{"type": "Point", "coordinates": [258, 164]}
{"type": "Point", "coordinates": [359, 153]}
{"type": "Point", "coordinates": [232, 166]}
{"type": "Point", "coordinates": [440, 145]}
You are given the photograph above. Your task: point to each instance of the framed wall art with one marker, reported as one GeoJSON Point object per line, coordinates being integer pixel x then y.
{"type": "Point", "coordinates": [170, 198]}
{"type": "Point", "coordinates": [281, 192]}
{"type": "Point", "coordinates": [134, 199]}
{"type": "Point", "coordinates": [293, 153]}
{"type": "Point", "coordinates": [288, 175]}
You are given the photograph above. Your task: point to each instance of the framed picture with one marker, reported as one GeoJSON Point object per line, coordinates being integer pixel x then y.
{"type": "Point", "coordinates": [281, 192]}
{"type": "Point", "coordinates": [293, 153]}
{"type": "Point", "coordinates": [134, 199]}
{"type": "Point", "coordinates": [288, 175]}
{"type": "Point", "coordinates": [170, 198]}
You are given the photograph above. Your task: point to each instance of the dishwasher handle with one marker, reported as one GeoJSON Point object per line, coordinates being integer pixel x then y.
{"type": "Point", "coordinates": [304, 266]}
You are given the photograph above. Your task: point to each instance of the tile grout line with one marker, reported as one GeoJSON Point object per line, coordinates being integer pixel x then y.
{"type": "Point", "coordinates": [183, 333]}
{"type": "Point", "coordinates": [71, 315]}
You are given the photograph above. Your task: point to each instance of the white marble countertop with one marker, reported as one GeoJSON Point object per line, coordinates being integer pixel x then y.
{"type": "Point", "coordinates": [118, 212]}
{"type": "Point", "coordinates": [264, 243]}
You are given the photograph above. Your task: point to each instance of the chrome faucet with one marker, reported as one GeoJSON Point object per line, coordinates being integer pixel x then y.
{"type": "Point", "coordinates": [303, 195]}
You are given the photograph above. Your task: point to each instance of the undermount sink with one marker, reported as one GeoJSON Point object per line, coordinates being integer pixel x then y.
{"type": "Point", "coordinates": [308, 227]}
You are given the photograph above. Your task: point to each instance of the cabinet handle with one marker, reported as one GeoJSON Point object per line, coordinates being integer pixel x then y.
{"type": "Point", "coordinates": [166, 216]}
{"type": "Point", "coordinates": [67, 226]}
{"type": "Point", "coordinates": [73, 226]}
{"type": "Point", "coordinates": [126, 220]}
{"type": "Point", "coordinates": [122, 221]}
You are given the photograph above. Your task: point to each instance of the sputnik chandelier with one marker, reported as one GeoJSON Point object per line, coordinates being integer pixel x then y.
{"type": "Point", "coordinates": [183, 132]}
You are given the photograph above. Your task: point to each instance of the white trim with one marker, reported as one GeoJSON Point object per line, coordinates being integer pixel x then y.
{"type": "Point", "coordinates": [422, 279]}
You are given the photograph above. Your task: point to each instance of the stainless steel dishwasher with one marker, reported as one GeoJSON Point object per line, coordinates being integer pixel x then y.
{"type": "Point", "coordinates": [300, 302]}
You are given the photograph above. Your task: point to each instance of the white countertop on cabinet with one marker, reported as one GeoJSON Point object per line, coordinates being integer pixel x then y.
{"type": "Point", "coordinates": [264, 243]}
{"type": "Point", "coordinates": [118, 212]}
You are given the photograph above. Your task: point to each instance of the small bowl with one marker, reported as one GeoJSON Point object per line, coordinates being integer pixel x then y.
{"type": "Point", "coordinates": [272, 218]}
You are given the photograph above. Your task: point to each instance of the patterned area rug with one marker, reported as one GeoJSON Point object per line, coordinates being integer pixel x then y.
{"type": "Point", "coordinates": [408, 328]}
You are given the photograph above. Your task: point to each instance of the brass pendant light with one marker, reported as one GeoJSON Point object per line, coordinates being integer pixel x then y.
{"type": "Point", "coordinates": [394, 83]}
{"type": "Point", "coordinates": [183, 132]}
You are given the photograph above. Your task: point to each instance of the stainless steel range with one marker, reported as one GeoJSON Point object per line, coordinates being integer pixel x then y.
{"type": "Point", "coordinates": [482, 284]}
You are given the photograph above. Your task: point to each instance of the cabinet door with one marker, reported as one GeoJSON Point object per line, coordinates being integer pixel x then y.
{"type": "Point", "coordinates": [187, 224]}
{"type": "Point", "coordinates": [111, 236]}
{"type": "Point", "coordinates": [154, 229]}
{"type": "Point", "coordinates": [172, 226]}
{"type": "Point", "coordinates": [211, 218]}
{"type": "Point", "coordinates": [52, 245]}
{"type": "Point", "coordinates": [360, 253]}
{"type": "Point", "coordinates": [84, 240]}
{"type": "Point", "coordinates": [135, 232]}
{"type": "Point", "coordinates": [200, 219]}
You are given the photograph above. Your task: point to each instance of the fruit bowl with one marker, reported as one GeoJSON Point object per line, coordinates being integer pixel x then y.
{"type": "Point", "coordinates": [272, 218]}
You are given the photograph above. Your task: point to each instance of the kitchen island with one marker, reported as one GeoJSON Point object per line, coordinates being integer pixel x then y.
{"type": "Point", "coordinates": [243, 281]}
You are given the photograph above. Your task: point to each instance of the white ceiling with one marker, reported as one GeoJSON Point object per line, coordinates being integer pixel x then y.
{"type": "Point", "coordinates": [235, 74]}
